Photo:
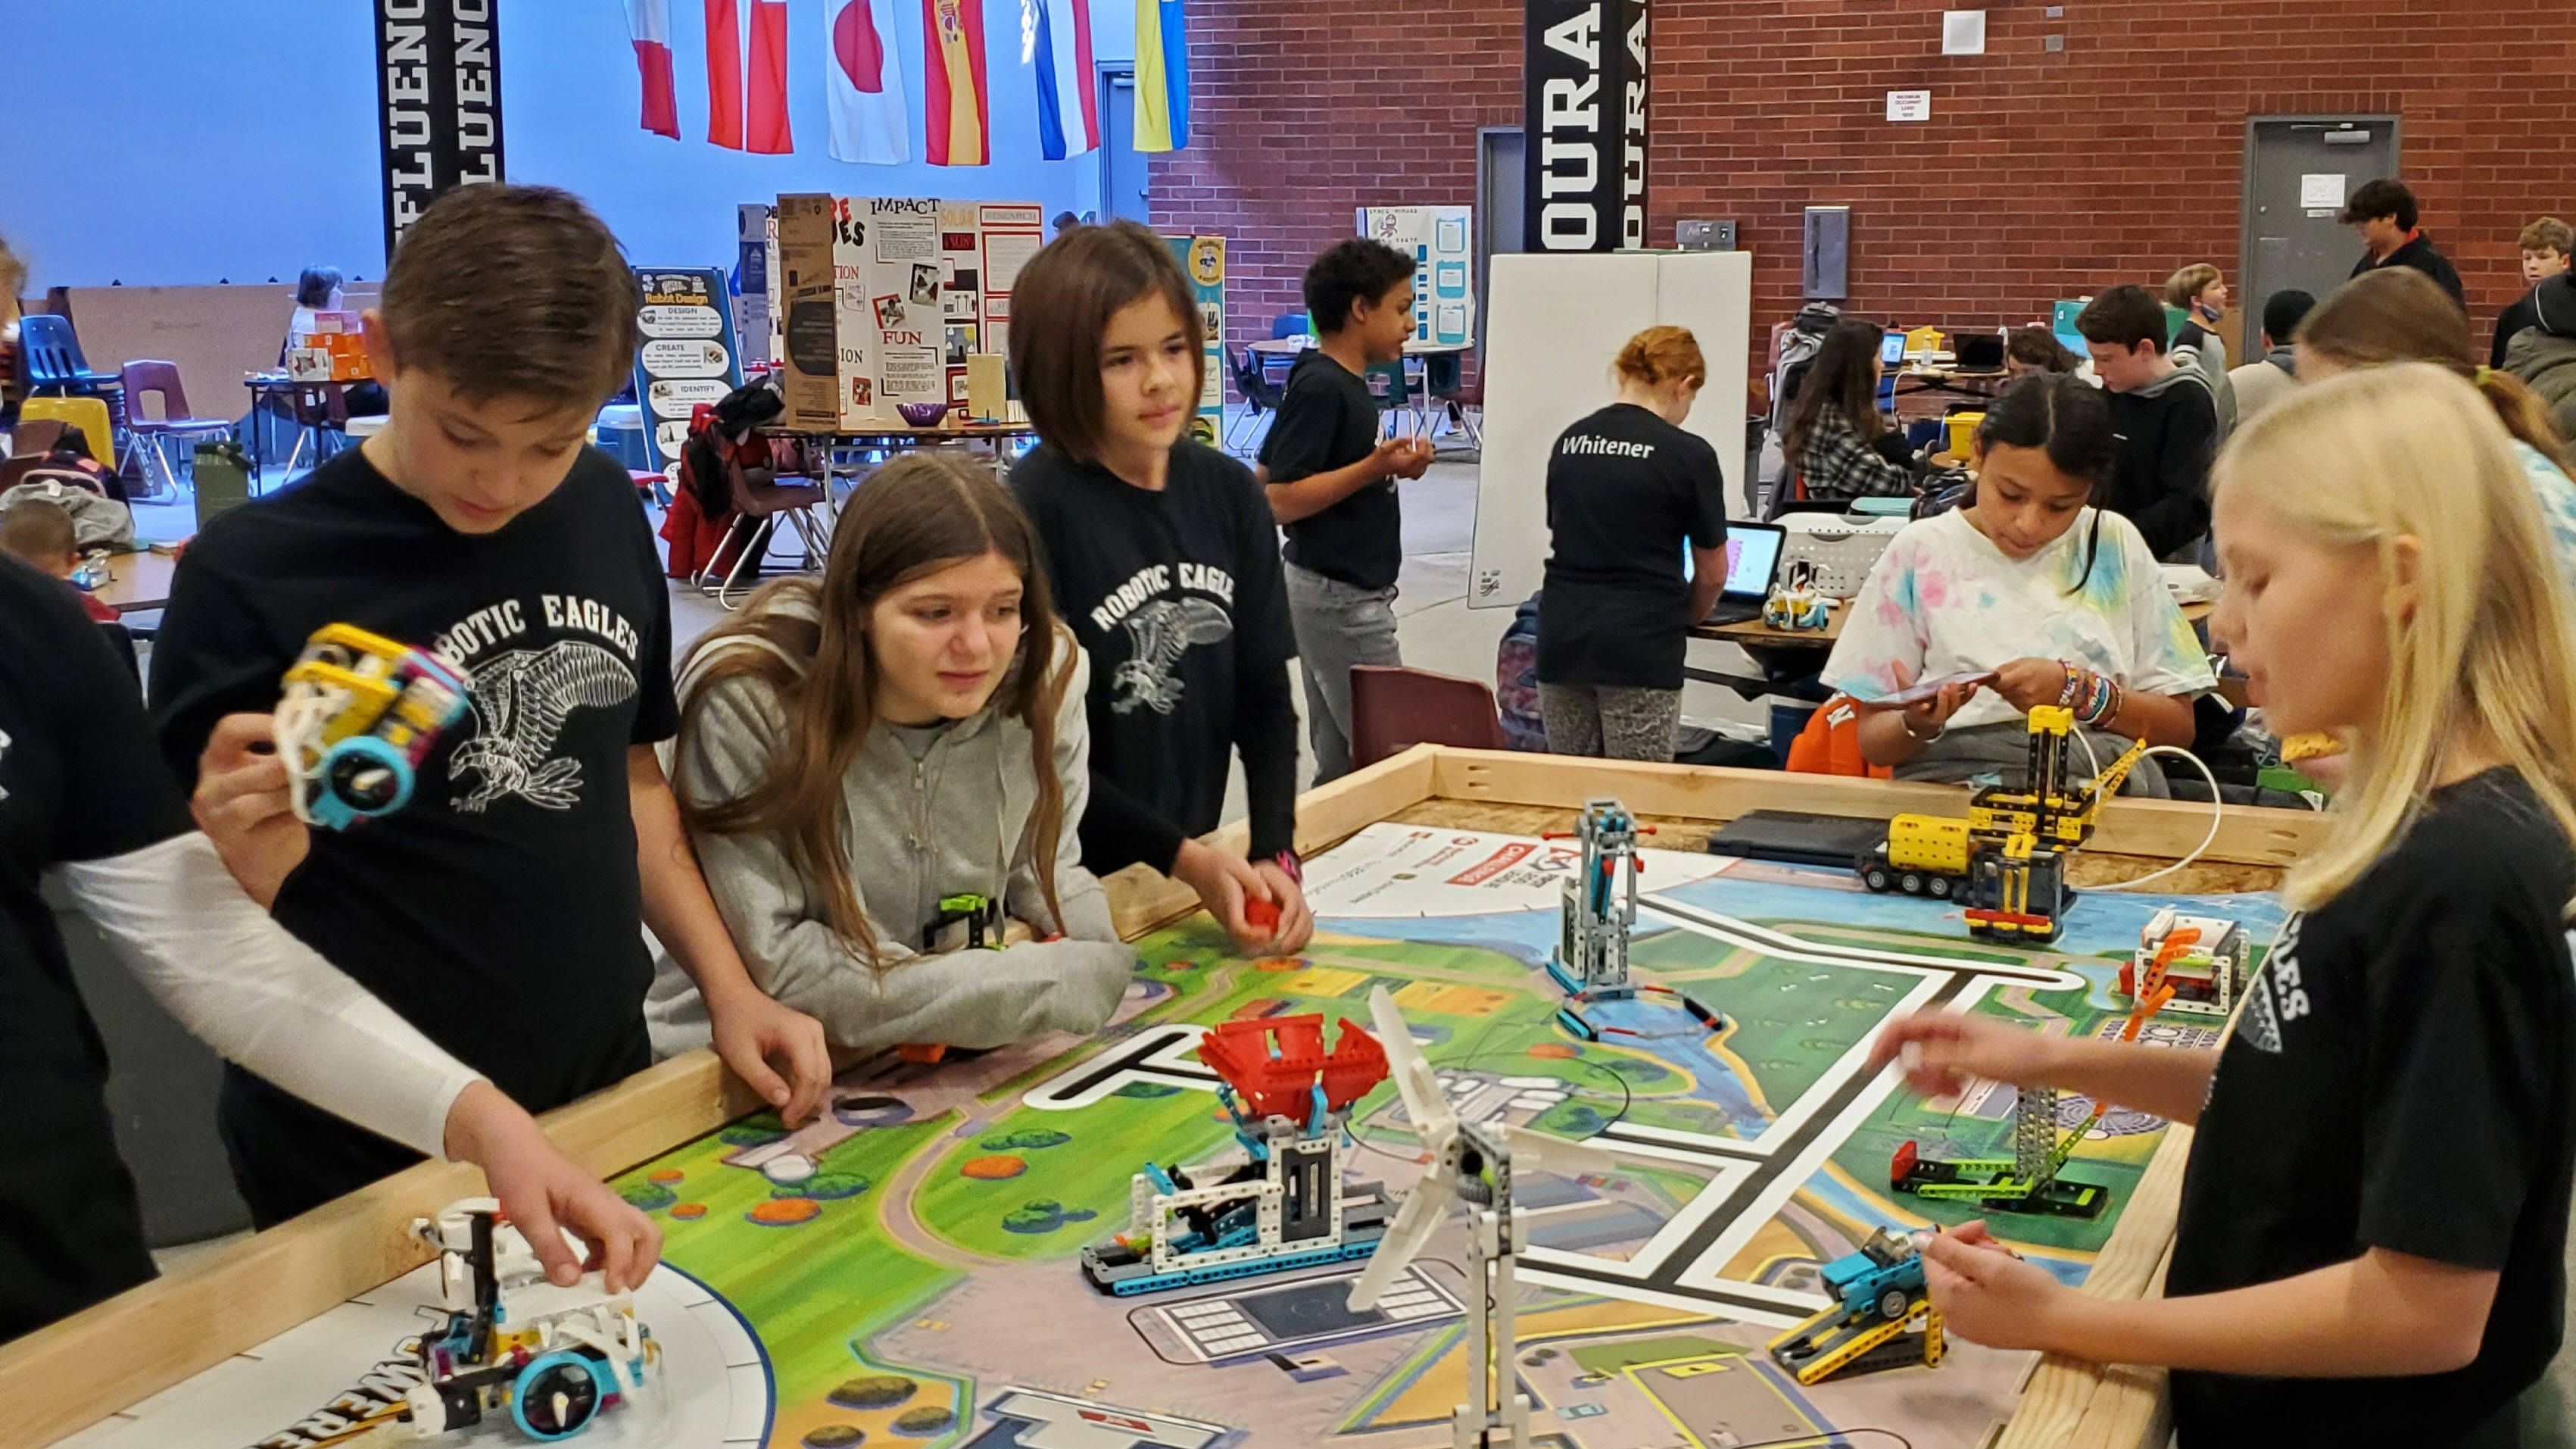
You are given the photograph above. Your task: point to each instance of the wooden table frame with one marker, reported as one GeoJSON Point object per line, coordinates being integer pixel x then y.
{"type": "Point", "coordinates": [64, 1378]}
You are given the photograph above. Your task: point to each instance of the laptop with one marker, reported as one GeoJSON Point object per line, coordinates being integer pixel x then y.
{"type": "Point", "coordinates": [1979, 352]}
{"type": "Point", "coordinates": [1752, 562]}
{"type": "Point", "coordinates": [1891, 349]}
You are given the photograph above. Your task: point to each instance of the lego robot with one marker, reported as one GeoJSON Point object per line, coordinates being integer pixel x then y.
{"type": "Point", "coordinates": [551, 1358]}
{"type": "Point", "coordinates": [2026, 1182]}
{"type": "Point", "coordinates": [1281, 1203]}
{"type": "Point", "coordinates": [358, 716]}
{"type": "Point", "coordinates": [2194, 963]}
{"type": "Point", "coordinates": [1879, 1298]}
{"type": "Point", "coordinates": [2007, 861]}
{"type": "Point", "coordinates": [1591, 960]}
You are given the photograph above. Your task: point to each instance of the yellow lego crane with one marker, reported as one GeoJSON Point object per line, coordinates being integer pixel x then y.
{"type": "Point", "coordinates": [2007, 860]}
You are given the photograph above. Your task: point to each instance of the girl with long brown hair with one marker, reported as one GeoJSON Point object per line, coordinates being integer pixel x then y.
{"type": "Point", "coordinates": [883, 771]}
{"type": "Point", "coordinates": [1836, 439]}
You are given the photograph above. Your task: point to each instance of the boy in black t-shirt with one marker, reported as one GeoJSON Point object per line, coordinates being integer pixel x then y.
{"type": "Point", "coordinates": [1331, 483]}
{"type": "Point", "coordinates": [498, 911]}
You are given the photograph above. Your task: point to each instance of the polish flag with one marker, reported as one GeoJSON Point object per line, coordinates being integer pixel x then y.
{"type": "Point", "coordinates": [766, 129]}
{"type": "Point", "coordinates": [724, 75]}
{"type": "Point", "coordinates": [649, 21]}
{"type": "Point", "coordinates": [865, 84]}
{"type": "Point", "coordinates": [1068, 113]}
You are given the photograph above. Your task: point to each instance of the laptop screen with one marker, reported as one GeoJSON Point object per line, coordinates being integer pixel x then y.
{"type": "Point", "coordinates": [1891, 349]}
{"type": "Point", "coordinates": [1752, 556]}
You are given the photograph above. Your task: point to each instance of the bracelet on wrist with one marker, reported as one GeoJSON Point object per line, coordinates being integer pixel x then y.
{"type": "Point", "coordinates": [2073, 690]}
{"type": "Point", "coordinates": [1907, 725]}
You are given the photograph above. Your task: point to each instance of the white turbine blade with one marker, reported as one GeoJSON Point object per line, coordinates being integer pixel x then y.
{"type": "Point", "coordinates": [1414, 1223]}
{"type": "Point", "coordinates": [1424, 1102]}
{"type": "Point", "coordinates": [1543, 1153]}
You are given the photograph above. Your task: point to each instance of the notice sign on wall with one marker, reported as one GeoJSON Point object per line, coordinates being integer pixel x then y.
{"type": "Point", "coordinates": [689, 355]}
{"type": "Point", "coordinates": [1909, 105]}
{"type": "Point", "coordinates": [1585, 182]}
{"type": "Point", "coordinates": [438, 88]}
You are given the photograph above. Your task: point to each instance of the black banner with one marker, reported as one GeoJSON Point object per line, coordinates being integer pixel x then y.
{"type": "Point", "coordinates": [1585, 187]}
{"type": "Point", "coordinates": [438, 79]}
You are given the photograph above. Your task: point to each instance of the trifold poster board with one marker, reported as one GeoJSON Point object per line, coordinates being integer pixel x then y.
{"type": "Point", "coordinates": [688, 355]}
{"type": "Point", "coordinates": [863, 285]}
{"type": "Point", "coordinates": [1554, 325]}
{"type": "Point", "coordinates": [982, 246]}
{"type": "Point", "coordinates": [1441, 241]}
{"type": "Point", "coordinates": [1203, 258]}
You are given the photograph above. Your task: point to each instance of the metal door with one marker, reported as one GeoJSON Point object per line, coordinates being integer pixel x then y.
{"type": "Point", "coordinates": [1123, 178]}
{"type": "Point", "coordinates": [2298, 172]}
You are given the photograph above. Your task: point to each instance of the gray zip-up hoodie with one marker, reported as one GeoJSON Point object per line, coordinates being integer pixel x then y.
{"type": "Point", "coordinates": [955, 820]}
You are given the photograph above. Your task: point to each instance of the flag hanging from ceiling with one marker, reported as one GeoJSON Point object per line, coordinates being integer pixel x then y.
{"type": "Point", "coordinates": [649, 21]}
{"type": "Point", "coordinates": [724, 75]}
{"type": "Point", "coordinates": [958, 120]}
{"type": "Point", "coordinates": [1068, 113]}
{"type": "Point", "coordinates": [765, 129]}
{"type": "Point", "coordinates": [1162, 76]}
{"type": "Point", "coordinates": [865, 83]}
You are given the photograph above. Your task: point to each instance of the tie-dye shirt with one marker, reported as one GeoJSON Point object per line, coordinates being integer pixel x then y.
{"type": "Point", "coordinates": [1944, 600]}
{"type": "Point", "coordinates": [2557, 507]}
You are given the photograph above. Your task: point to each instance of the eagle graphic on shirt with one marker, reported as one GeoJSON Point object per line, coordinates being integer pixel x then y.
{"type": "Point", "coordinates": [1158, 634]}
{"type": "Point", "coordinates": [521, 700]}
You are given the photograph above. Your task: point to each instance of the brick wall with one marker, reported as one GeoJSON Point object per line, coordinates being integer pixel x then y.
{"type": "Point", "coordinates": [2039, 176]}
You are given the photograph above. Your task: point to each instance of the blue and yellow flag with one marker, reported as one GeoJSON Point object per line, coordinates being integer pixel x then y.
{"type": "Point", "coordinates": [1162, 76]}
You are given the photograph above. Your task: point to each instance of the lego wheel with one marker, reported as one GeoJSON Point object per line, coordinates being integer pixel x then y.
{"type": "Point", "coordinates": [1941, 887]}
{"type": "Point", "coordinates": [556, 1396]}
{"type": "Point", "coordinates": [1876, 878]}
{"type": "Point", "coordinates": [1911, 883]}
{"type": "Point", "coordinates": [368, 775]}
{"type": "Point", "coordinates": [1891, 1304]}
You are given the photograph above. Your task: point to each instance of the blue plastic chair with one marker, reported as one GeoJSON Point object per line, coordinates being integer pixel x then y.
{"type": "Point", "coordinates": [53, 360]}
{"type": "Point", "coordinates": [1289, 324]}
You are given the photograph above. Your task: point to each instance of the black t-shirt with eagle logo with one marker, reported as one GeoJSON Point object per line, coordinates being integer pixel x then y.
{"type": "Point", "coordinates": [1177, 595]}
{"type": "Point", "coordinates": [2402, 1075]}
{"type": "Point", "coordinates": [500, 909]}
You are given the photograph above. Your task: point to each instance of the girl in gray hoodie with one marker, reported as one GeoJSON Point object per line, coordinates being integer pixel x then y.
{"type": "Point", "coordinates": [885, 766]}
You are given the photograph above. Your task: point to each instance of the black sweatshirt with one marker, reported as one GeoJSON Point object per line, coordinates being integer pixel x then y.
{"type": "Point", "coordinates": [2168, 433]}
{"type": "Point", "coordinates": [2418, 253]}
{"type": "Point", "coordinates": [1178, 597]}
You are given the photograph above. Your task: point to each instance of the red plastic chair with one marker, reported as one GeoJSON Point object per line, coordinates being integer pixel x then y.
{"type": "Point", "coordinates": [151, 378]}
{"type": "Point", "coordinates": [1394, 708]}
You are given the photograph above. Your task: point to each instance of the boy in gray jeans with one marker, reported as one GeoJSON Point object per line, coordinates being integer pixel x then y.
{"type": "Point", "coordinates": [1331, 483]}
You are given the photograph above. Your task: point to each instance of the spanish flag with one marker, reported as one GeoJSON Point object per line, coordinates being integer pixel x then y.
{"type": "Point", "coordinates": [956, 115]}
{"type": "Point", "coordinates": [1162, 76]}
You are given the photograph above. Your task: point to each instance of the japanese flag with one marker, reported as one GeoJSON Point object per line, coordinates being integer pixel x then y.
{"type": "Point", "coordinates": [649, 22]}
{"type": "Point", "coordinates": [865, 83]}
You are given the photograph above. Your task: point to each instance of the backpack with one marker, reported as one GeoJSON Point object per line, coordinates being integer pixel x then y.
{"type": "Point", "coordinates": [98, 521]}
{"type": "Point", "coordinates": [1830, 744]}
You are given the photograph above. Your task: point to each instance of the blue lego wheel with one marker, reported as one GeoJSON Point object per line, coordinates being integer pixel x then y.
{"type": "Point", "coordinates": [362, 777]}
{"type": "Point", "coordinates": [557, 1395]}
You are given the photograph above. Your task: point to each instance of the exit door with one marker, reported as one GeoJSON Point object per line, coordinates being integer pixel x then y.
{"type": "Point", "coordinates": [2299, 170]}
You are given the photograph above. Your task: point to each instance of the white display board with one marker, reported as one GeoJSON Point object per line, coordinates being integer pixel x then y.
{"type": "Point", "coordinates": [1440, 239]}
{"type": "Point", "coordinates": [1552, 326]}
